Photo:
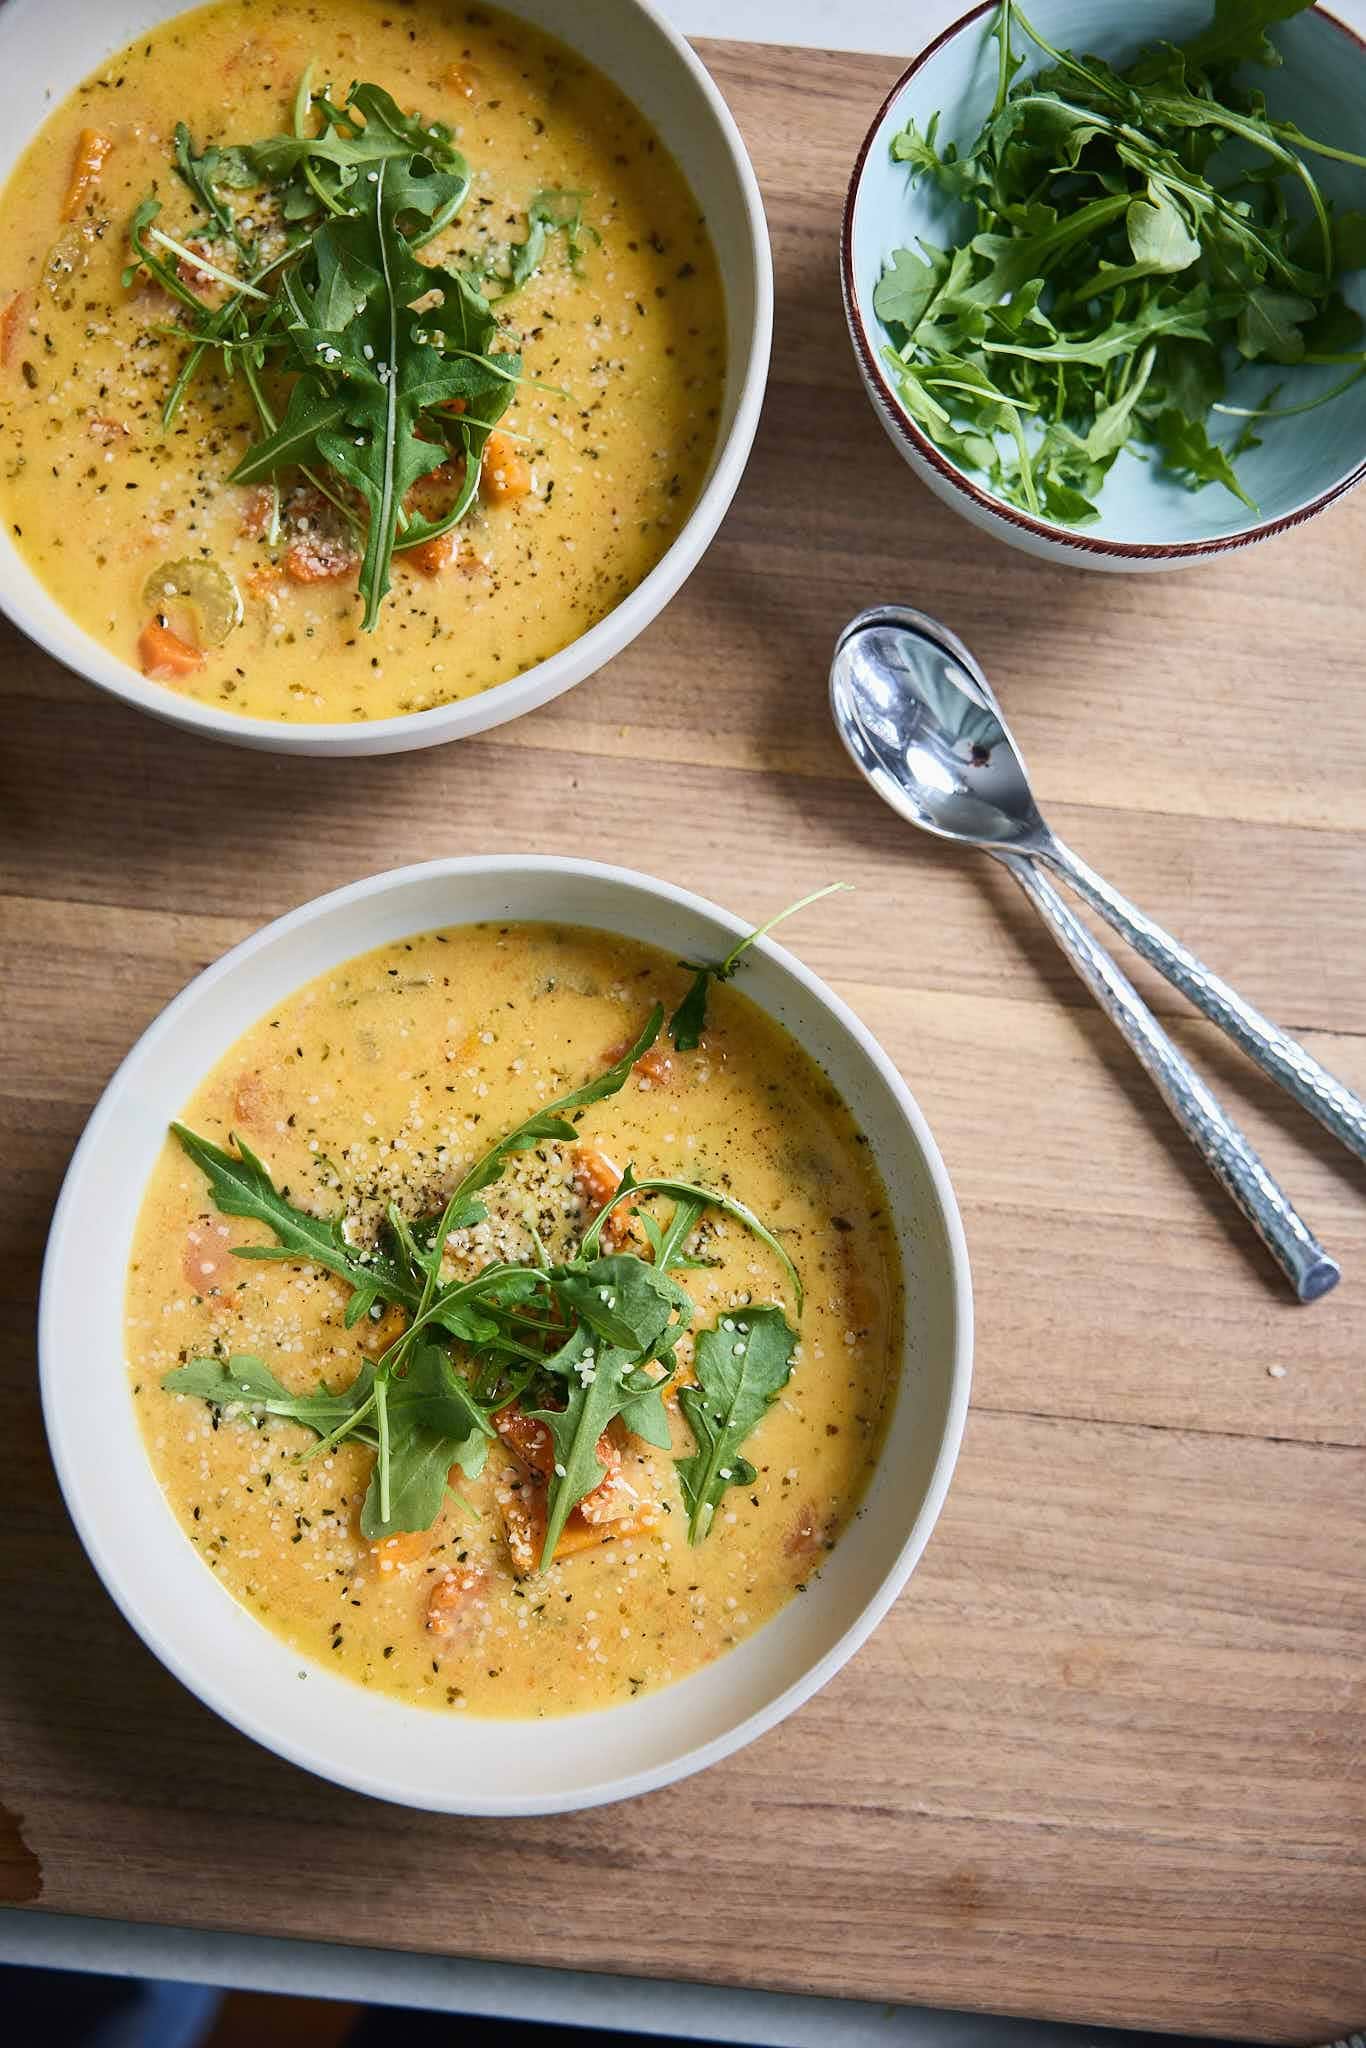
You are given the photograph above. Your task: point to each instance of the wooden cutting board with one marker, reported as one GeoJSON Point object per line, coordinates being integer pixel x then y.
{"type": "Point", "coordinates": [1104, 1760]}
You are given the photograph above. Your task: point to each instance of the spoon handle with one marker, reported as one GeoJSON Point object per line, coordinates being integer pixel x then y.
{"type": "Point", "coordinates": [1222, 1146]}
{"type": "Point", "coordinates": [1279, 1055]}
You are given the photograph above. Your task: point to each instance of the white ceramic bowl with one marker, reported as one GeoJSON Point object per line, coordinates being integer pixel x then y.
{"type": "Point", "coordinates": [1149, 520]}
{"type": "Point", "coordinates": [329, 1725]}
{"type": "Point", "coordinates": [45, 53]}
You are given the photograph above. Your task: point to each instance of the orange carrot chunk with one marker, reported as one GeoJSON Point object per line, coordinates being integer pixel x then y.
{"type": "Point", "coordinates": [92, 147]}
{"type": "Point", "coordinates": [164, 655]}
{"type": "Point", "coordinates": [433, 556]}
{"type": "Point", "coordinates": [11, 323]}
{"type": "Point", "coordinates": [453, 1596]}
{"type": "Point", "coordinates": [506, 473]}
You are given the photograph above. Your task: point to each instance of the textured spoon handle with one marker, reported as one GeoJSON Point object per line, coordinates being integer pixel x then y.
{"type": "Point", "coordinates": [1279, 1055]}
{"type": "Point", "coordinates": [1309, 1269]}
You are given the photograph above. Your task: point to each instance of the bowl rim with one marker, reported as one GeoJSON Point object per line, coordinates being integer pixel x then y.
{"type": "Point", "coordinates": [918, 442]}
{"type": "Point", "coordinates": [500, 702]}
{"type": "Point", "coordinates": [188, 1661]}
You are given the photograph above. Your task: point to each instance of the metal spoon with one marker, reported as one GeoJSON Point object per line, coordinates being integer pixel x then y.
{"type": "Point", "coordinates": [918, 717]}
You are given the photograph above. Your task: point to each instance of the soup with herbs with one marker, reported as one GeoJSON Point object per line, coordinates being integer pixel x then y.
{"type": "Point", "coordinates": [353, 358]}
{"type": "Point", "coordinates": [502, 1345]}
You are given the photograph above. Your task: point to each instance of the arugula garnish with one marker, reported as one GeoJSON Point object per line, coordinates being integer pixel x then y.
{"type": "Point", "coordinates": [241, 1185]}
{"type": "Point", "coordinates": [743, 1364]}
{"type": "Point", "coordinates": [396, 366]}
{"type": "Point", "coordinates": [581, 1332]}
{"type": "Point", "coordinates": [689, 1020]}
{"type": "Point", "coordinates": [1113, 273]}
{"type": "Point", "coordinates": [689, 1193]}
{"type": "Point", "coordinates": [630, 1314]}
{"type": "Point", "coordinates": [578, 1342]}
{"type": "Point", "coordinates": [433, 1424]}
{"type": "Point", "coordinates": [548, 213]}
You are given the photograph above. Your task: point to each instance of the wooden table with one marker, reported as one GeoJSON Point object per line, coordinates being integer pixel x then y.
{"type": "Point", "coordinates": [1105, 1758]}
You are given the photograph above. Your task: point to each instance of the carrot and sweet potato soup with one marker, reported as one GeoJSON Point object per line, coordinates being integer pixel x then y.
{"type": "Point", "coordinates": [501, 1345]}
{"type": "Point", "coordinates": [353, 358]}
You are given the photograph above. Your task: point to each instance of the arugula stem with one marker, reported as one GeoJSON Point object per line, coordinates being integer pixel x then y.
{"type": "Point", "coordinates": [1285, 412]}
{"type": "Point", "coordinates": [711, 1198]}
{"type": "Point", "coordinates": [762, 931]}
{"type": "Point", "coordinates": [381, 1397]}
{"type": "Point", "coordinates": [1288, 132]}
{"type": "Point", "coordinates": [210, 269]}
{"type": "Point", "coordinates": [1003, 72]}
{"type": "Point", "coordinates": [303, 104]}
{"type": "Point", "coordinates": [1065, 60]}
{"type": "Point", "coordinates": [344, 1429]}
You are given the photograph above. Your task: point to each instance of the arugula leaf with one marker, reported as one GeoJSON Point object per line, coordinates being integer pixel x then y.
{"type": "Point", "coordinates": [203, 173]}
{"type": "Point", "coordinates": [395, 363]}
{"type": "Point", "coordinates": [906, 290]}
{"type": "Point", "coordinates": [246, 1382]}
{"type": "Point", "coordinates": [433, 1424]}
{"type": "Point", "coordinates": [241, 1185]}
{"type": "Point", "coordinates": [1270, 325]}
{"type": "Point", "coordinates": [621, 1299]}
{"type": "Point", "coordinates": [743, 1363]}
{"type": "Point", "coordinates": [548, 1124]}
{"type": "Point", "coordinates": [1238, 34]}
{"type": "Point", "coordinates": [549, 212]}
{"type": "Point", "coordinates": [689, 1020]}
{"type": "Point", "coordinates": [1159, 234]}
{"type": "Point", "coordinates": [1198, 460]}
{"type": "Point", "coordinates": [295, 441]}
{"type": "Point", "coordinates": [708, 1198]}
{"type": "Point", "coordinates": [593, 1375]}
{"type": "Point", "coordinates": [1349, 240]}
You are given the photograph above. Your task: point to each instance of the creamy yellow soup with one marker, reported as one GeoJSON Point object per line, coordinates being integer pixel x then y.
{"type": "Point", "coordinates": [381, 1083]}
{"type": "Point", "coordinates": [609, 437]}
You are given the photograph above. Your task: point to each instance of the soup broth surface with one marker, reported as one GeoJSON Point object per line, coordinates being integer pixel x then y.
{"type": "Point", "coordinates": [382, 1082]}
{"type": "Point", "coordinates": [623, 350]}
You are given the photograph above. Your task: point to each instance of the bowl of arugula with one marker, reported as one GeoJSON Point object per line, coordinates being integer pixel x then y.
{"type": "Point", "coordinates": [497, 1761]}
{"type": "Point", "coordinates": [1103, 273]}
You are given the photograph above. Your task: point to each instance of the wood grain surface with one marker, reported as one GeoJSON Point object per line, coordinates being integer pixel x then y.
{"type": "Point", "coordinates": [1105, 1759]}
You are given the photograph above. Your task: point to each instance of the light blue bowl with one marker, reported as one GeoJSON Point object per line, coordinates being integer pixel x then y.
{"type": "Point", "coordinates": [1149, 520]}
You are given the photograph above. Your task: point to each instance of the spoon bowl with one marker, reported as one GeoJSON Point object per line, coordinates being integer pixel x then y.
{"type": "Point", "coordinates": [917, 716]}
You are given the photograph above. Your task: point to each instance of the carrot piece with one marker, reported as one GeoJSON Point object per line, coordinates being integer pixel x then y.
{"type": "Point", "coordinates": [321, 549]}
{"type": "Point", "coordinates": [311, 562]}
{"type": "Point", "coordinates": [531, 1441]}
{"type": "Point", "coordinates": [506, 473]}
{"type": "Point", "coordinates": [207, 1259]}
{"type": "Point", "coordinates": [453, 1595]}
{"type": "Point", "coordinates": [431, 557]}
{"type": "Point", "coordinates": [164, 655]}
{"type": "Point", "coordinates": [92, 147]}
{"type": "Point", "coordinates": [257, 502]}
{"type": "Point", "coordinates": [264, 583]}
{"type": "Point", "coordinates": [11, 322]}
{"type": "Point", "coordinates": [524, 1516]}
{"type": "Point", "coordinates": [596, 1180]}
{"type": "Point", "coordinates": [655, 1066]}
{"type": "Point", "coordinates": [406, 1546]}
